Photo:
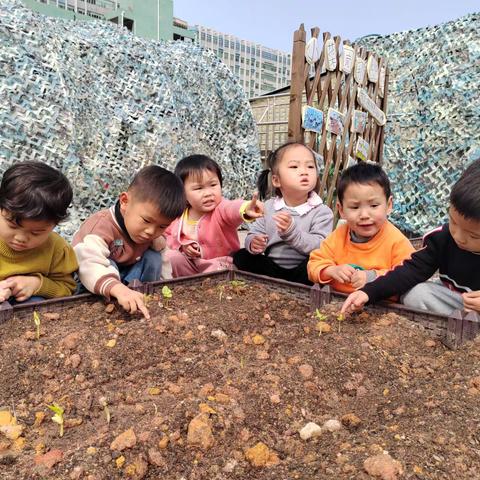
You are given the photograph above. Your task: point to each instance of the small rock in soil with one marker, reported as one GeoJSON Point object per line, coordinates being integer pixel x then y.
{"type": "Point", "coordinates": [310, 430]}
{"type": "Point", "coordinates": [332, 425]}
{"type": "Point", "coordinates": [219, 335]}
{"type": "Point", "coordinates": [125, 440]}
{"type": "Point", "coordinates": [12, 432]}
{"type": "Point", "coordinates": [351, 420]}
{"type": "Point", "coordinates": [155, 458]}
{"type": "Point", "coordinates": [200, 432]}
{"type": "Point", "coordinates": [75, 360]}
{"type": "Point", "coordinates": [51, 316]}
{"type": "Point", "coordinates": [306, 371]}
{"type": "Point", "coordinates": [261, 456]}
{"type": "Point", "coordinates": [138, 469]}
{"type": "Point", "coordinates": [383, 466]}
{"type": "Point", "coordinates": [70, 341]}
{"type": "Point", "coordinates": [49, 459]}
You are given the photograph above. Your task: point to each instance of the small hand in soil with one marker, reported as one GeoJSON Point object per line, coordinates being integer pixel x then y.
{"type": "Point", "coordinates": [130, 300]}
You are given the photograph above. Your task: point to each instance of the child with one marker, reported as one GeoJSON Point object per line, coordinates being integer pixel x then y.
{"type": "Point", "coordinates": [114, 245]}
{"type": "Point", "coordinates": [205, 236]}
{"type": "Point", "coordinates": [36, 263]}
{"type": "Point", "coordinates": [368, 245]}
{"type": "Point", "coordinates": [295, 221]}
{"type": "Point", "coordinates": [453, 250]}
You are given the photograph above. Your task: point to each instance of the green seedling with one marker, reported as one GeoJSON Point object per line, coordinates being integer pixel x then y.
{"type": "Point", "coordinates": [340, 319]}
{"type": "Point", "coordinates": [36, 321]}
{"type": "Point", "coordinates": [221, 289]}
{"type": "Point", "coordinates": [58, 417]}
{"type": "Point", "coordinates": [237, 285]}
{"type": "Point", "coordinates": [167, 295]}
{"type": "Point", "coordinates": [147, 298]}
{"type": "Point", "coordinates": [103, 402]}
{"type": "Point", "coordinates": [321, 317]}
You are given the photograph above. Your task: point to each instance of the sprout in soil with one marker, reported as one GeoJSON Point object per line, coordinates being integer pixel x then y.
{"type": "Point", "coordinates": [103, 402]}
{"type": "Point", "coordinates": [147, 298]}
{"type": "Point", "coordinates": [167, 295]}
{"type": "Point", "coordinates": [36, 321]}
{"type": "Point", "coordinates": [340, 319]}
{"type": "Point", "coordinates": [221, 289]}
{"type": "Point", "coordinates": [320, 316]}
{"type": "Point", "coordinates": [58, 417]}
{"type": "Point", "coordinates": [237, 285]}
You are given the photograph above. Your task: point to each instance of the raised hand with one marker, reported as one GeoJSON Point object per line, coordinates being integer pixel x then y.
{"type": "Point", "coordinates": [254, 208]}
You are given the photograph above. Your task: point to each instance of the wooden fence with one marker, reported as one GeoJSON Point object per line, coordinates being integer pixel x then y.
{"type": "Point", "coordinates": [346, 89]}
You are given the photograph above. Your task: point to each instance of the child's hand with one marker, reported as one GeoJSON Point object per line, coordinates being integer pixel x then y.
{"type": "Point", "coordinates": [358, 279]}
{"type": "Point", "coordinates": [340, 273]}
{"type": "Point", "coordinates": [191, 250]}
{"type": "Point", "coordinates": [130, 300]}
{"type": "Point", "coordinates": [23, 286]}
{"type": "Point", "coordinates": [258, 243]}
{"type": "Point", "coordinates": [283, 221]}
{"type": "Point", "coordinates": [471, 301]}
{"type": "Point", "coordinates": [254, 209]}
{"type": "Point", "coordinates": [159, 243]}
{"type": "Point", "coordinates": [5, 294]}
{"type": "Point", "coordinates": [355, 301]}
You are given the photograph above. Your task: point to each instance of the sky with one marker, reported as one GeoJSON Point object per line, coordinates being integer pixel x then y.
{"type": "Point", "coordinates": [272, 23]}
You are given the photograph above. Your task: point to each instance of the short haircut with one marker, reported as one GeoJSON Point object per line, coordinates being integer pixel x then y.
{"type": "Point", "coordinates": [35, 191]}
{"type": "Point", "coordinates": [194, 165]}
{"type": "Point", "coordinates": [465, 194]}
{"type": "Point", "coordinates": [160, 187]}
{"type": "Point", "coordinates": [364, 173]}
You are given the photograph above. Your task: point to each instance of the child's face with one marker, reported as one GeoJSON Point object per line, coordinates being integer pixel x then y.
{"type": "Point", "coordinates": [26, 236]}
{"type": "Point", "coordinates": [142, 220]}
{"type": "Point", "coordinates": [203, 192]}
{"type": "Point", "coordinates": [465, 231]}
{"type": "Point", "coordinates": [365, 208]}
{"type": "Point", "coordinates": [297, 172]}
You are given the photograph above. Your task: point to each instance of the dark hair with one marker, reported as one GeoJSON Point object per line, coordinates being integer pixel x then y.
{"type": "Point", "coordinates": [35, 191]}
{"type": "Point", "coordinates": [271, 168]}
{"type": "Point", "coordinates": [363, 173]}
{"type": "Point", "coordinates": [195, 165]}
{"type": "Point", "coordinates": [465, 194]}
{"type": "Point", "coordinates": [162, 188]}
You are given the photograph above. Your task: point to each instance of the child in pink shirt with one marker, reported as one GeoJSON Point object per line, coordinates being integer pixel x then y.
{"type": "Point", "coordinates": [205, 236]}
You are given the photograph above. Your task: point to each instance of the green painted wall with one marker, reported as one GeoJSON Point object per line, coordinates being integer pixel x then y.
{"type": "Point", "coordinates": [153, 19]}
{"type": "Point", "coordinates": [54, 11]}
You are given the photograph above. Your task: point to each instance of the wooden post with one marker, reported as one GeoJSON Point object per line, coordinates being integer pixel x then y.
{"type": "Point", "coordinates": [295, 132]}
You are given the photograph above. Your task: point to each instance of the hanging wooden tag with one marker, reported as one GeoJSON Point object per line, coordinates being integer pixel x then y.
{"type": "Point", "coordinates": [371, 107]}
{"type": "Point", "coordinates": [330, 55]}
{"type": "Point", "coordinates": [347, 59]}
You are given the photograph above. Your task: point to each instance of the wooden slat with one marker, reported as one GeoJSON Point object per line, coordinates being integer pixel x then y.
{"type": "Point", "coordinates": [295, 132]}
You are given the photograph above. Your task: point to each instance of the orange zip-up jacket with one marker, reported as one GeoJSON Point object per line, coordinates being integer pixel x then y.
{"type": "Point", "coordinates": [387, 249]}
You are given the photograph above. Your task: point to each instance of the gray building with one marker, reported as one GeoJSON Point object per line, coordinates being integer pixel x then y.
{"type": "Point", "coordinates": [259, 69]}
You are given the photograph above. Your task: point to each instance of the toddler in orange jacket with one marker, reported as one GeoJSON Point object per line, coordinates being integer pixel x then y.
{"type": "Point", "coordinates": [367, 245]}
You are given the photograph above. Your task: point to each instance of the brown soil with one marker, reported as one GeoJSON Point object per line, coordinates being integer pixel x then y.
{"type": "Point", "coordinates": [414, 398]}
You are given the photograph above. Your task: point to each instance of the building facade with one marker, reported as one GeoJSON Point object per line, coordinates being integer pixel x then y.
{"type": "Point", "coordinates": [150, 19]}
{"type": "Point", "coordinates": [258, 68]}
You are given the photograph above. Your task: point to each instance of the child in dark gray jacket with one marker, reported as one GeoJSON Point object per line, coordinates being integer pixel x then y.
{"type": "Point", "coordinates": [295, 222]}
